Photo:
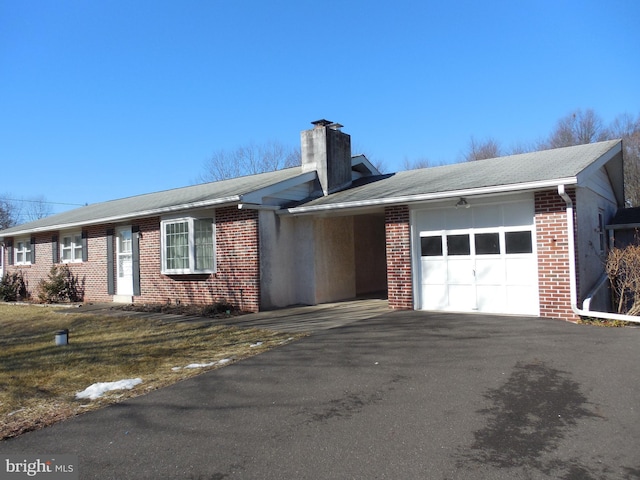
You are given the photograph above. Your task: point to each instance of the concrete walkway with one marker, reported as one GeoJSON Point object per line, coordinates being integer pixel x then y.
{"type": "Point", "coordinates": [301, 319]}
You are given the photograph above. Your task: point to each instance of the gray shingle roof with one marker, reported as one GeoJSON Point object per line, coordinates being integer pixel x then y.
{"type": "Point", "coordinates": [512, 172]}
{"type": "Point", "coordinates": [561, 165]}
{"type": "Point", "coordinates": [203, 195]}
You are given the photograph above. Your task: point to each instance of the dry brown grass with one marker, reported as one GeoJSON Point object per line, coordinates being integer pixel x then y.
{"type": "Point", "coordinates": [39, 380]}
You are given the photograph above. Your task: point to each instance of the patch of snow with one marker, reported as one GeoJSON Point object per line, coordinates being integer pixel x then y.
{"type": "Point", "coordinates": [257, 344]}
{"type": "Point", "coordinates": [202, 365]}
{"type": "Point", "coordinates": [98, 389]}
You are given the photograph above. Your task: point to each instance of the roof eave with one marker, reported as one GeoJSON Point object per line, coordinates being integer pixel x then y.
{"type": "Point", "coordinates": [519, 187]}
{"type": "Point", "coordinates": [622, 226]}
{"type": "Point", "coordinates": [232, 200]}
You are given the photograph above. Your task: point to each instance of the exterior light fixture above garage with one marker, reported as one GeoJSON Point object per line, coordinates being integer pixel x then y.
{"type": "Point", "coordinates": [462, 203]}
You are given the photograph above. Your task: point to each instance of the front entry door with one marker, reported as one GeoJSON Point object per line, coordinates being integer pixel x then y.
{"type": "Point", "coordinates": [124, 262]}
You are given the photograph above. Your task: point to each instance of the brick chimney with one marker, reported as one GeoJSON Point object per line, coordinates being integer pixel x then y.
{"type": "Point", "coordinates": [327, 150]}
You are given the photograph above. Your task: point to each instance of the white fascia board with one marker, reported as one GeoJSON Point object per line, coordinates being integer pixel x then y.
{"type": "Point", "coordinates": [362, 159]}
{"type": "Point", "coordinates": [256, 196]}
{"type": "Point", "coordinates": [253, 206]}
{"type": "Point", "coordinates": [430, 196]}
{"type": "Point", "coordinates": [599, 162]}
{"type": "Point", "coordinates": [233, 200]}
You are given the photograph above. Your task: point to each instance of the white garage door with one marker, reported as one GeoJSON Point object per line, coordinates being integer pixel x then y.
{"type": "Point", "coordinates": [477, 259]}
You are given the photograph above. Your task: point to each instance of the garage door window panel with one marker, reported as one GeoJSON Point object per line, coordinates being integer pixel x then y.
{"type": "Point", "coordinates": [458, 245]}
{"type": "Point", "coordinates": [518, 242]}
{"type": "Point", "coordinates": [487, 243]}
{"type": "Point", "coordinates": [431, 246]}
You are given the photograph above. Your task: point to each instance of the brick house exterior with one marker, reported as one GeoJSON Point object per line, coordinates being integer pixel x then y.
{"type": "Point", "coordinates": [552, 246]}
{"type": "Point", "coordinates": [237, 279]}
{"type": "Point", "coordinates": [529, 197]}
{"type": "Point", "coordinates": [553, 255]}
{"type": "Point", "coordinates": [336, 228]}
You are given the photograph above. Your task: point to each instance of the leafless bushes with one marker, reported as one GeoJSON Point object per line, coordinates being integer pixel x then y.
{"type": "Point", "coordinates": [623, 269]}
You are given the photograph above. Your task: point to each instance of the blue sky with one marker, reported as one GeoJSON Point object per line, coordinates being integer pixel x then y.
{"type": "Point", "coordinates": [109, 99]}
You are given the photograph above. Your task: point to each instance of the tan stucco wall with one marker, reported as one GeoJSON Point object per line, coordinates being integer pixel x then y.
{"type": "Point", "coordinates": [335, 259]}
{"type": "Point", "coordinates": [309, 260]}
{"type": "Point", "coordinates": [287, 250]}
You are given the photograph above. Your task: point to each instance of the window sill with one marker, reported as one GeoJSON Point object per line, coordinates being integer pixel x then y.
{"type": "Point", "coordinates": [181, 273]}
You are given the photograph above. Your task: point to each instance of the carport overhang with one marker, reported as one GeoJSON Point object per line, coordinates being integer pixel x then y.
{"type": "Point", "coordinates": [376, 205]}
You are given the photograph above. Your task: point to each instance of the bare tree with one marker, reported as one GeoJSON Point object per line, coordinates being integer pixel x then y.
{"type": "Point", "coordinates": [422, 162]}
{"type": "Point", "coordinates": [248, 159]}
{"type": "Point", "coordinates": [36, 208]}
{"type": "Point", "coordinates": [578, 128]}
{"type": "Point", "coordinates": [628, 129]}
{"type": "Point", "coordinates": [477, 150]}
{"type": "Point", "coordinates": [7, 217]}
{"type": "Point", "coordinates": [15, 210]}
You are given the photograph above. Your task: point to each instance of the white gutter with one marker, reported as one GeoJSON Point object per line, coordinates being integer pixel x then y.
{"type": "Point", "coordinates": [119, 218]}
{"type": "Point", "coordinates": [430, 196]}
{"type": "Point", "coordinates": [572, 270]}
{"type": "Point", "coordinates": [255, 206]}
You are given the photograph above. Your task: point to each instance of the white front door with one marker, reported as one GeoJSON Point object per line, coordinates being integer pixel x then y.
{"type": "Point", "coordinates": [1, 261]}
{"type": "Point", "coordinates": [124, 259]}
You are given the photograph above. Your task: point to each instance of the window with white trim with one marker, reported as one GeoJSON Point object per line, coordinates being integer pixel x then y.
{"type": "Point", "coordinates": [23, 252]}
{"type": "Point", "coordinates": [71, 247]}
{"type": "Point", "coordinates": [602, 245]}
{"type": "Point", "coordinates": [188, 246]}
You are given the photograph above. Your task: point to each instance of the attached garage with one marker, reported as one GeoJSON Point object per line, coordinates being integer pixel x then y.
{"type": "Point", "coordinates": [476, 258]}
{"type": "Point", "coordinates": [521, 234]}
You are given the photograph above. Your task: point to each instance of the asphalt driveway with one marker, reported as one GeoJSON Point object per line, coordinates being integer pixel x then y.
{"type": "Point", "coordinates": [392, 395]}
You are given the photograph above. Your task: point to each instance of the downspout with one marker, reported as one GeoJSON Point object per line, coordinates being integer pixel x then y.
{"type": "Point", "coordinates": [572, 249]}
{"type": "Point", "coordinates": [572, 270]}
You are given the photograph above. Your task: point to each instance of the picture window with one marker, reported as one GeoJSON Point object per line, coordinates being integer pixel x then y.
{"type": "Point", "coordinates": [188, 246]}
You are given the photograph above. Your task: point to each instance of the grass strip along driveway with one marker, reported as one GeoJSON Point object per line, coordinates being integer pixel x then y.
{"type": "Point", "coordinates": [39, 380]}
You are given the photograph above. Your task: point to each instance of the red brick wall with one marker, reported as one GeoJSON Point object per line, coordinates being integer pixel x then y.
{"type": "Point", "coordinates": [91, 275]}
{"type": "Point", "coordinates": [33, 273]}
{"type": "Point", "coordinates": [553, 255]}
{"type": "Point", "coordinates": [398, 239]}
{"type": "Point", "coordinates": [237, 279]}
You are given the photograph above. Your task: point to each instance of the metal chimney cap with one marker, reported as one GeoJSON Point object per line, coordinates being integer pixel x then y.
{"type": "Point", "coordinates": [322, 123]}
